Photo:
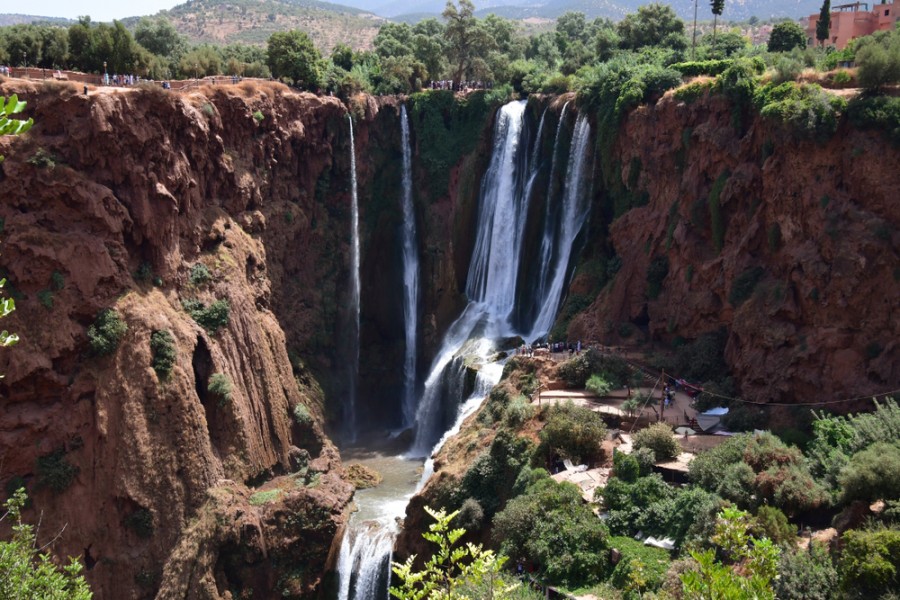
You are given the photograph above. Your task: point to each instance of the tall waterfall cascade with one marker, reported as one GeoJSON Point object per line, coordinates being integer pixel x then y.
{"type": "Point", "coordinates": [350, 425]}
{"type": "Point", "coordinates": [497, 281]}
{"type": "Point", "coordinates": [410, 278]}
{"type": "Point", "coordinates": [494, 283]}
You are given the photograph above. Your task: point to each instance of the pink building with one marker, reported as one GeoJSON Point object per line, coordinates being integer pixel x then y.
{"type": "Point", "coordinates": [854, 20]}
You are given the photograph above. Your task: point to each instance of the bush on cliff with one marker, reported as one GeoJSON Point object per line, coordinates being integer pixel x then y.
{"type": "Point", "coordinates": [106, 332]}
{"type": "Point", "coordinates": [162, 347]}
{"type": "Point", "coordinates": [212, 317]}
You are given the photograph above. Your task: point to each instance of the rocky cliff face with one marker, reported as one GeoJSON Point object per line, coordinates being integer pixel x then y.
{"type": "Point", "coordinates": [788, 244]}
{"type": "Point", "coordinates": [110, 202]}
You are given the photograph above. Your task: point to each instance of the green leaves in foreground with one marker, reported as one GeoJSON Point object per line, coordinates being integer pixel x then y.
{"type": "Point", "coordinates": [451, 570]}
{"type": "Point", "coordinates": [27, 573]}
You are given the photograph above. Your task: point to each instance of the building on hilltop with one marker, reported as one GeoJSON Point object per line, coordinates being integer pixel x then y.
{"type": "Point", "coordinates": [853, 20]}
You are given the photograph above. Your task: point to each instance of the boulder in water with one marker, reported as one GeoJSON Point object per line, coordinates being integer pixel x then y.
{"type": "Point", "coordinates": [362, 476]}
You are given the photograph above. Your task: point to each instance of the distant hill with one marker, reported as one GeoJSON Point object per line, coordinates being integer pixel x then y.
{"type": "Point", "coordinates": [28, 19]}
{"type": "Point", "coordinates": [735, 10]}
{"type": "Point", "coordinates": [253, 21]}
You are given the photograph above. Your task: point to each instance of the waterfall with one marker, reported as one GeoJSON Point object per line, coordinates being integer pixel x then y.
{"type": "Point", "coordinates": [410, 277]}
{"type": "Point", "coordinates": [364, 563]}
{"type": "Point", "coordinates": [493, 272]}
{"type": "Point", "coordinates": [548, 239]}
{"type": "Point", "coordinates": [575, 210]}
{"type": "Point", "coordinates": [354, 291]}
{"type": "Point", "coordinates": [501, 218]}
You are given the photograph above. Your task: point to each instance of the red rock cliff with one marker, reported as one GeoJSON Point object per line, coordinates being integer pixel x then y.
{"type": "Point", "coordinates": [109, 203]}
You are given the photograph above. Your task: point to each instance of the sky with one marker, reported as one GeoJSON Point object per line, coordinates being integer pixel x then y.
{"type": "Point", "coordinates": [99, 10]}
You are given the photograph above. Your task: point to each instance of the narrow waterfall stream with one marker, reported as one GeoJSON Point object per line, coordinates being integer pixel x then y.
{"type": "Point", "coordinates": [350, 425]}
{"type": "Point", "coordinates": [474, 338]}
{"type": "Point", "coordinates": [410, 278]}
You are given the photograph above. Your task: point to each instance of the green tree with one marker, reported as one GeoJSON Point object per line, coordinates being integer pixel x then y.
{"type": "Point", "coordinates": [574, 432]}
{"type": "Point", "coordinates": [823, 25]}
{"type": "Point", "coordinates": [652, 25]}
{"type": "Point", "coordinates": [159, 36]}
{"type": "Point", "coordinates": [468, 43]}
{"type": "Point", "coordinates": [786, 36]}
{"type": "Point", "coordinates": [28, 574]}
{"type": "Point", "coordinates": [451, 567]}
{"type": "Point", "coordinates": [292, 55]}
{"type": "Point", "coordinates": [659, 438]}
{"type": "Point", "coordinates": [717, 7]}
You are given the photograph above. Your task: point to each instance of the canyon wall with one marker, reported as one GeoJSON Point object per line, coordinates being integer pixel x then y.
{"type": "Point", "coordinates": [786, 244]}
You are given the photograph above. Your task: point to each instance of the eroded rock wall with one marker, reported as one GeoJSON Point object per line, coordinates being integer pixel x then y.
{"type": "Point", "coordinates": [811, 223]}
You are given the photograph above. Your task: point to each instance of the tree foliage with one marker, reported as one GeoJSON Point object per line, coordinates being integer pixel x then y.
{"type": "Point", "coordinates": [658, 438]}
{"type": "Point", "coordinates": [550, 526]}
{"type": "Point", "coordinates": [291, 55]}
{"type": "Point", "coordinates": [574, 432]}
{"type": "Point", "coordinates": [823, 25]}
{"type": "Point", "coordinates": [450, 568]}
{"type": "Point", "coordinates": [26, 573]}
{"type": "Point", "coordinates": [786, 36]}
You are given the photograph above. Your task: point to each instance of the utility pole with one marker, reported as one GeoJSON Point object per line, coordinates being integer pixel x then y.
{"type": "Point", "coordinates": [694, 38]}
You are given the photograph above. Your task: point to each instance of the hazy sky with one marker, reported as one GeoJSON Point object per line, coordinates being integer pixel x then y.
{"type": "Point", "coordinates": [99, 10]}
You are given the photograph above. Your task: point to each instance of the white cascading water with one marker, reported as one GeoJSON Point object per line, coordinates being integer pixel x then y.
{"type": "Point", "coordinates": [364, 562]}
{"type": "Point", "coordinates": [350, 425]}
{"type": "Point", "coordinates": [575, 209]}
{"type": "Point", "coordinates": [501, 219]}
{"type": "Point", "coordinates": [410, 278]}
{"type": "Point", "coordinates": [549, 238]}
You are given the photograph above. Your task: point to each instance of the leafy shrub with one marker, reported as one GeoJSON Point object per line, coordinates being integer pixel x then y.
{"type": "Point", "coordinates": [54, 472]}
{"type": "Point", "coordinates": [518, 411]}
{"type": "Point", "coordinates": [491, 477]}
{"type": "Point", "coordinates": [598, 385]}
{"type": "Point", "coordinates": [200, 274]}
{"type": "Point", "coordinates": [805, 106]}
{"type": "Point", "coordinates": [804, 575]}
{"type": "Point", "coordinates": [645, 458]}
{"type": "Point", "coordinates": [773, 524]}
{"type": "Point", "coordinates": [27, 573]}
{"type": "Point", "coordinates": [872, 474]}
{"type": "Point", "coordinates": [258, 116]}
{"type": "Point", "coordinates": [471, 515]}
{"type": "Point", "coordinates": [575, 432]}
{"type": "Point", "coordinates": [658, 438]}
{"type": "Point", "coordinates": [870, 563]}
{"type": "Point", "coordinates": [43, 159]}
{"type": "Point", "coordinates": [878, 113]}
{"type": "Point", "coordinates": [576, 371]}
{"type": "Point", "coordinates": [495, 406]}
{"type": "Point", "coordinates": [702, 358]}
{"type": "Point", "coordinates": [106, 332]}
{"type": "Point", "coordinates": [220, 385]}
{"type": "Point", "coordinates": [162, 347]}
{"type": "Point", "coordinates": [144, 272]}
{"type": "Point", "coordinates": [692, 92]}
{"type": "Point", "coordinates": [842, 78]}
{"type": "Point", "coordinates": [786, 36]}
{"type": "Point", "coordinates": [45, 297]}
{"type": "Point", "coordinates": [743, 285]}
{"type": "Point", "coordinates": [211, 317]}
{"type": "Point", "coordinates": [702, 67]}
